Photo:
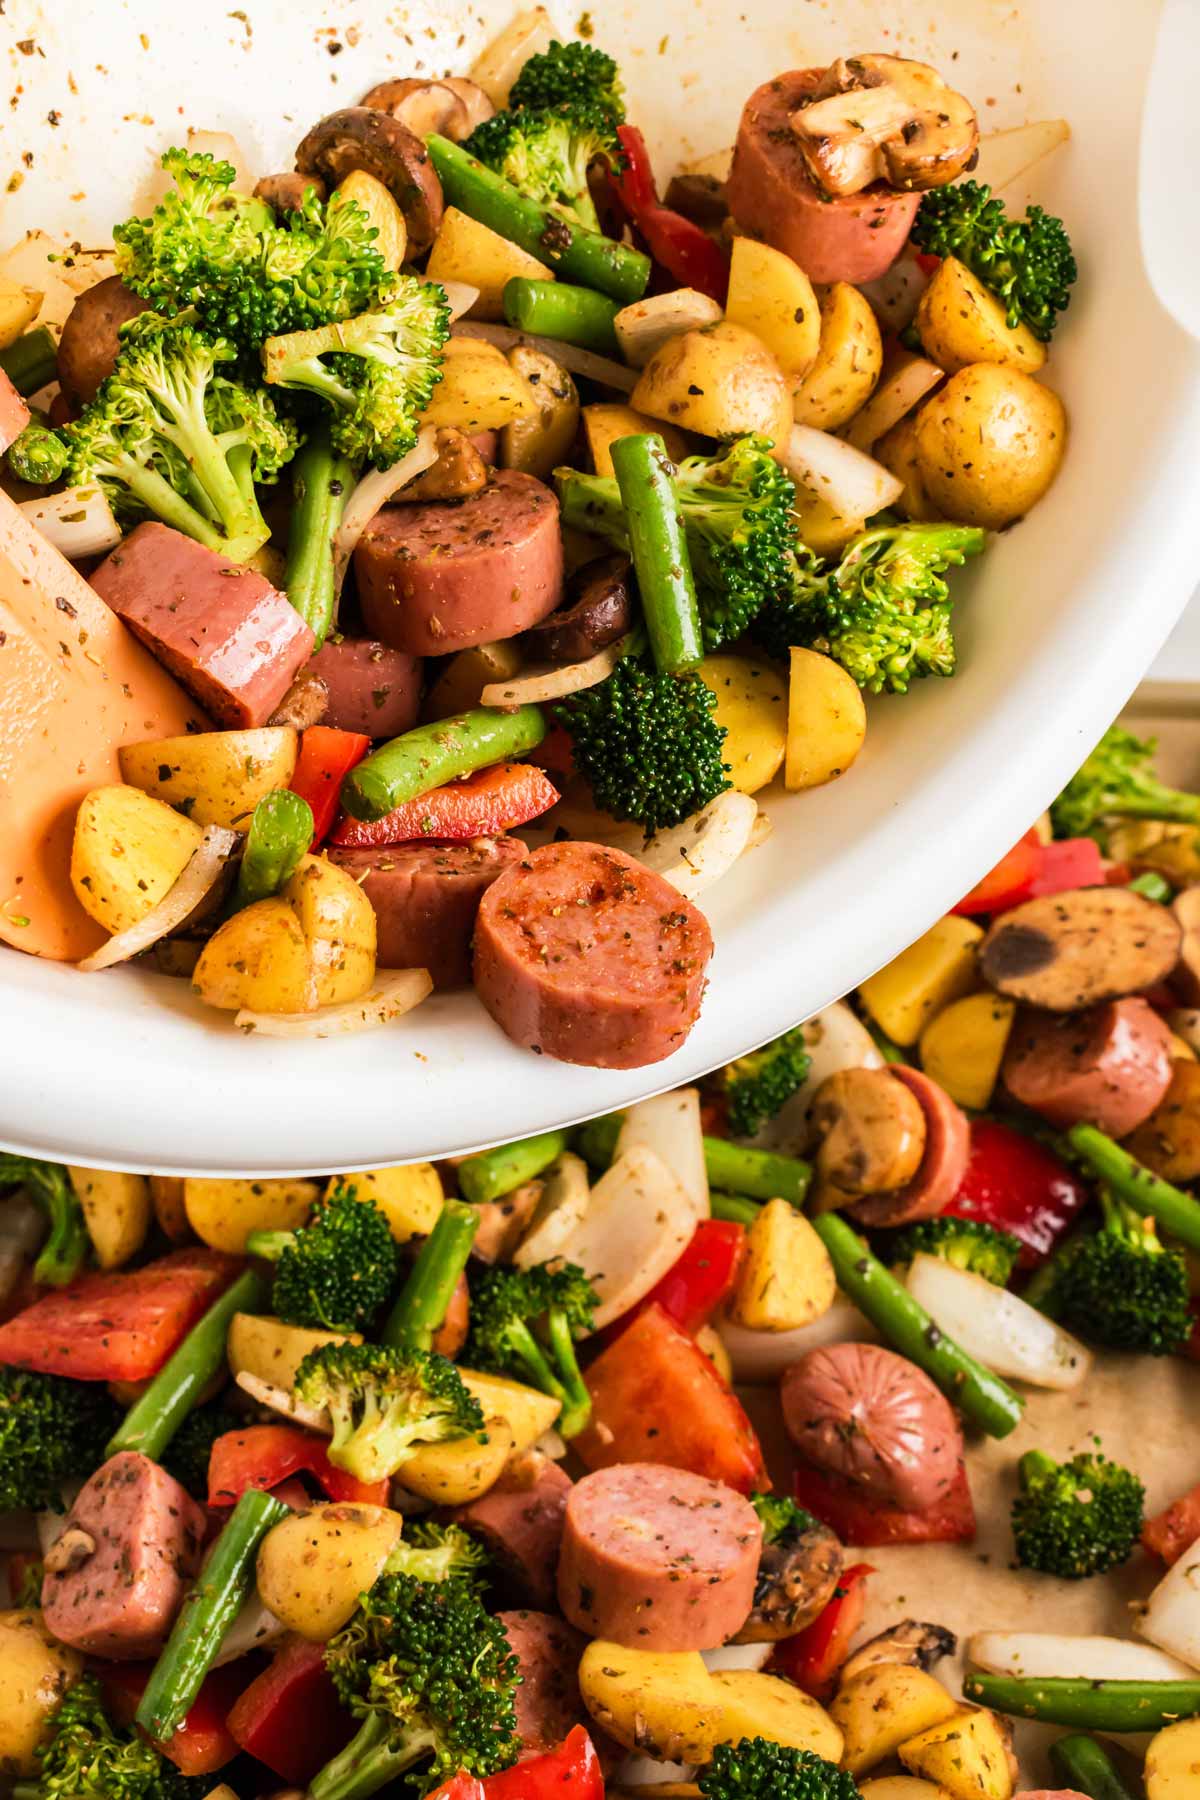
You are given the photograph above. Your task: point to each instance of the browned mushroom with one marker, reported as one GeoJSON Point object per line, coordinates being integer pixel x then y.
{"type": "Point", "coordinates": [700, 198]}
{"type": "Point", "coordinates": [884, 118]}
{"type": "Point", "coordinates": [305, 703]}
{"type": "Point", "coordinates": [1074, 949]}
{"type": "Point", "coordinates": [599, 610]}
{"type": "Point", "coordinates": [872, 1132]}
{"type": "Point", "coordinates": [458, 471]}
{"type": "Point", "coordinates": [285, 192]}
{"type": "Point", "coordinates": [797, 1574]}
{"type": "Point", "coordinates": [452, 107]}
{"type": "Point", "coordinates": [914, 1641]}
{"type": "Point", "coordinates": [359, 137]}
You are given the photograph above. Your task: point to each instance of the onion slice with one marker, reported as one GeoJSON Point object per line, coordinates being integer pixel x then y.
{"type": "Point", "coordinates": [759, 1358]}
{"type": "Point", "coordinates": [393, 993]}
{"type": "Point", "coordinates": [569, 356]}
{"type": "Point", "coordinates": [200, 873]}
{"type": "Point", "coordinates": [78, 521]}
{"type": "Point", "coordinates": [373, 492]}
{"type": "Point", "coordinates": [552, 681]}
{"type": "Point", "coordinates": [558, 1213]}
{"type": "Point", "coordinates": [638, 1220]}
{"type": "Point", "coordinates": [460, 295]}
{"type": "Point", "coordinates": [706, 846]}
{"type": "Point", "coordinates": [670, 1126]}
{"type": "Point", "coordinates": [1006, 1334]}
{"type": "Point", "coordinates": [282, 1400]}
{"type": "Point", "coordinates": [1040, 1654]}
{"type": "Point", "coordinates": [1171, 1617]}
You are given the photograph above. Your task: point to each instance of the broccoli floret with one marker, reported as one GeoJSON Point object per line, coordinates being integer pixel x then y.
{"type": "Point", "coordinates": [737, 514]}
{"type": "Point", "coordinates": [438, 1553]}
{"type": "Point", "coordinates": [1118, 780]}
{"type": "Point", "coordinates": [39, 455]}
{"type": "Point", "coordinates": [963, 1243]}
{"type": "Point", "coordinates": [376, 372]}
{"type": "Point", "coordinates": [89, 1758]}
{"type": "Point", "coordinates": [432, 1677]}
{"type": "Point", "coordinates": [385, 1404]}
{"type": "Point", "coordinates": [1122, 1288]}
{"type": "Point", "coordinates": [546, 154]}
{"type": "Point", "coordinates": [51, 1430]}
{"type": "Point", "coordinates": [247, 276]}
{"type": "Point", "coordinates": [575, 74]}
{"type": "Point", "coordinates": [187, 1456]}
{"type": "Point", "coordinates": [1027, 263]}
{"type": "Point", "coordinates": [1077, 1518]}
{"type": "Point", "coordinates": [524, 1323]}
{"type": "Point", "coordinates": [781, 1517]}
{"type": "Point", "coordinates": [757, 1769]}
{"type": "Point", "coordinates": [883, 612]}
{"type": "Point", "coordinates": [755, 1087]}
{"type": "Point", "coordinates": [170, 436]}
{"type": "Point", "coordinates": [337, 1271]}
{"type": "Point", "coordinates": [62, 1255]}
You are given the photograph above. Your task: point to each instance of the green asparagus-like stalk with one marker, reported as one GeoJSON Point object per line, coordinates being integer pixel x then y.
{"type": "Point", "coordinates": [420, 1308]}
{"type": "Point", "coordinates": [1087, 1705]}
{"type": "Point", "coordinates": [659, 550]}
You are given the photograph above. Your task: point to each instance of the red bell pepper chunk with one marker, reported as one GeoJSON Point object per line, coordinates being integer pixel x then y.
{"type": "Point", "coordinates": [1007, 884]}
{"type": "Point", "coordinates": [866, 1522]}
{"type": "Point", "coordinates": [680, 247]}
{"type": "Point", "coordinates": [262, 1456]}
{"type": "Point", "coordinates": [1069, 863]}
{"type": "Point", "coordinates": [1169, 1533]}
{"type": "Point", "coordinates": [656, 1397]}
{"type": "Point", "coordinates": [326, 758]}
{"type": "Point", "coordinates": [484, 804]}
{"type": "Point", "coordinates": [290, 1717]}
{"type": "Point", "coordinates": [694, 1287]}
{"type": "Point", "coordinates": [813, 1657]}
{"type": "Point", "coordinates": [117, 1327]}
{"type": "Point", "coordinates": [204, 1742]}
{"type": "Point", "coordinates": [459, 1787]}
{"type": "Point", "coordinates": [1017, 1185]}
{"type": "Point", "coordinates": [571, 1771]}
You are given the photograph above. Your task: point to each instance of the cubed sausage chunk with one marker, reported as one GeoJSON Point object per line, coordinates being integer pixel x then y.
{"type": "Point", "coordinates": [371, 687]}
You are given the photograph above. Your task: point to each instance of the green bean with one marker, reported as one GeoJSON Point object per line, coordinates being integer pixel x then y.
{"type": "Point", "coordinates": [434, 754]}
{"type": "Point", "coordinates": [1087, 1705]}
{"type": "Point", "coordinates": [1178, 1213]}
{"type": "Point", "coordinates": [421, 1306]}
{"type": "Point", "coordinates": [979, 1395]}
{"type": "Point", "coordinates": [583, 256]}
{"type": "Point", "coordinates": [493, 1173]}
{"type": "Point", "coordinates": [156, 1416]}
{"type": "Point", "coordinates": [322, 481]}
{"type": "Point", "coordinates": [734, 1169]}
{"type": "Point", "coordinates": [206, 1615]}
{"type": "Point", "coordinates": [1088, 1767]}
{"type": "Point", "coordinates": [38, 455]}
{"type": "Point", "coordinates": [659, 550]}
{"type": "Point", "coordinates": [733, 1207]}
{"type": "Point", "coordinates": [555, 309]}
{"type": "Point", "coordinates": [281, 830]}
{"type": "Point", "coordinates": [31, 360]}
{"type": "Point", "coordinates": [890, 1052]}
{"type": "Point", "coordinates": [596, 1141]}
{"type": "Point", "coordinates": [1152, 886]}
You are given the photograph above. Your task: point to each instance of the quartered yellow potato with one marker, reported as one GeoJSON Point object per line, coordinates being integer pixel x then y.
{"type": "Point", "coordinates": [752, 706]}
{"type": "Point", "coordinates": [883, 1708]}
{"type": "Point", "coordinates": [479, 389]}
{"type": "Point", "coordinates": [848, 361]}
{"type": "Point", "coordinates": [37, 1673]}
{"type": "Point", "coordinates": [265, 1347]}
{"type": "Point", "coordinates": [772, 297]}
{"type": "Point", "coordinates": [660, 1703]}
{"type": "Point", "coordinates": [214, 777]}
{"type": "Point", "coordinates": [459, 1471]}
{"type": "Point", "coordinates": [940, 967]}
{"type": "Point", "coordinates": [370, 194]}
{"type": "Point", "coordinates": [526, 1411]}
{"type": "Point", "coordinates": [758, 1705]}
{"type": "Point", "coordinates": [409, 1196]}
{"type": "Point", "coordinates": [311, 945]}
{"type": "Point", "coordinates": [963, 1046]}
{"type": "Point", "coordinates": [606, 421]}
{"type": "Point", "coordinates": [466, 251]}
{"type": "Point", "coordinates": [1173, 1762]}
{"type": "Point", "coordinates": [116, 1211]}
{"type": "Point", "coordinates": [967, 1753]}
{"type": "Point", "coordinates": [959, 321]}
{"type": "Point", "coordinates": [313, 1565]}
{"type": "Point", "coordinates": [223, 1212]}
{"type": "Point", "coordinates": [786, 1278]}
{"type": "Point", "coordinates": [128, 851]}
{"type": "Point", "coordinates": [827, 720]}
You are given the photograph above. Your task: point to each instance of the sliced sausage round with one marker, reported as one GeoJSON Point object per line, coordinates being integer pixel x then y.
{"type": "Point", "coordinates": [371, 687]}
{"type": "Point", "coordinates": [90, 337]}
{"type": "Point", "coordinates": [1069, 950]}
{"type": "Point", "coordinates": [439, 576]}
{"type": "Point", "coordinates": [943, 1163]}
{"type": "Point", "coordinates": [1109, 1066]}
{"type": "Point", "coordinates": [584, 954]}
{"type": "Point", "coordinates": [548, 1702]}
{"type": "Point", "coordinates": [846, 237]}
{"type": "Point", "coordinates": [426, 897]}
{"type": "Point", "coordinates": [658, 1559]}
{"type": "Point", "coordinates": [872, 1417]}
{"type": "Point", "coordinates": [521, 1522]}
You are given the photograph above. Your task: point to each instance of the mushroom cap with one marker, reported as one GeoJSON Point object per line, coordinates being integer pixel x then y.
{"type": "Point", "coordinates": [362, 137]}
{"type": "Point", "coordinates": [423, 106]}
{"type": "Point", "coordinates": [885, 118]}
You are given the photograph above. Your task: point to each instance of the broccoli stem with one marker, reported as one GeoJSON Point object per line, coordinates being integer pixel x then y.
{"type": "Point", "coordinates": [1167, 804]}
{"type": "Point", "coordinates": [162, 501]}
{"type": "Point", "coordinates": [281, 829]}
{"type": "Point", "coordinates": [576, 1400]}
{"type": "Point", "coordinates": [420, 1308]}
{"type": "Point", "coordinates": [321, 484]}
{"type": "Point", "coordinates": [206, 1615]}
{"type": "Point", "coordinates": [658, 546]}
{"type": "Point", "coordinates": [62, 1255]}
{"type": "Point", "coordinates": [31, 361]}
{"type": "Point", "coordinates": [1087, 1705]}
{"type": "Point", "coordinates": [1081, 1761]}
{"type": "Point", "coordinates": [494, 1173]}
{"type": "Point", "coordinates": [584, 256]}
{"type": "Point", "coordinates": [366, 1764]}
{"type": "Point", "coordinates": [979, 1395]}
{"type": "Point", "coordinates": [153, 1420]}
{"type": "Point", "coordinates": [1178, 1213]}
{"type": "Point", "coordinates": [1152, 886]}
{"type": "Point", "coordinates": [434, 754]}
{"type": "Point", "coordinates": [555, 309]}
{"type": "Point", "coordinates": [733, 1208]}
{"type": "Point", "coordinates": [735, 1168]}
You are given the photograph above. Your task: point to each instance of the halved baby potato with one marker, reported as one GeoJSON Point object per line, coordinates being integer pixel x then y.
{"type": "Point", "coordinates": [214, 777]}
{"type": "Point", "coordinates": [959, 321]}
{"type": "Point", "coordinates": [466, 251]}
{"type": "Point", "coordinates": [721, 381]}
{"type": "Point", "coordinates": [311, 945]}
{"type": "Point", "coordinates": [128, 851]}
{"type": "Point", "coordinates": [772, 297]}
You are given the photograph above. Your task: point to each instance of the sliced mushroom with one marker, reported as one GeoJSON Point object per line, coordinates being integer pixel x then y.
{"type": "Point", "coordinates": [360, 137]}
{"type": "Point", "coordinates": [305, 703]}
{"type": "Point", "coordinates": [478, 104]}
{"type": "Point", "coordinates": [872, 1133]}
{"type": "Point", "coordinates": [599, 610]}
{"type": "Point", "coordinates": [285, 193]}
{"type": "Point", "coordinates": [884, 118]}
{"type": "Point", "coordinates": [458, 471]}
{"type": "Point", "coordinates": [700, 198]}
{"type": "Point", "coordinates": [424, 106]}
{"type": "Point", "coordinates": [914, 1641]}
{"type": "Point", "coordinates": [70, 1551]}
{"type": "Point", "coordinates": [797, 1575]}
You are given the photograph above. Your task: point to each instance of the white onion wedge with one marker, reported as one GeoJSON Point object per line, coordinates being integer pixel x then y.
{"type": "Point", "coordinates": [253, 1628]}
{"type": "Point", "coordinates": [894, 295]}
{"type": "Point", "coordinates": [282, 1400]}
{"type": "Point", "coordinates": [760, 831]}
{"type": "Point", "coordinates": [695, 854]}
{"type": "Point", "coordinates": [374, 491]}
{"type": "Point", "coordinates": [638, 1220]}
{"type": "Point", "coordinates": [904, 384]}
{"type": "Point", "coordinates": [838, 487]}
{"type": "Point", "coordinates": [1171, 1617]}
{"type": "Point", "coordinates": [1005, 155]}
{"type": "Point", "coordinates": [569, 356]}
{"type": "Point", "coordinates": [78, 521]}
{"type": "Point", "coordinates": [738, 1656]}
{"type": "Point", "coordinates": [552, 681]}
{"type": "Point", "coordinates": [222, 146]}
{"type": "Point", "coordinates": [646, 324]}
{"type": "Point", "coordinates": [759, 1358]}
{"type": "Point", "coordinates": [1039, 1654]}
{"type": "Point", "coordinates": [1006, 1334]}
{"type": "Point", "coordinates": [669, 1124]}
{"type": "Point", "coordinates": [558, 1213]}
{"type": "Point", "coordinates": [57, 269]}
{"type": "Point", "coordinates": [200, 873]}
{"type": "Point", "coordinates": [393, 993]}
{"type": "Point", "coordinates": [460, 295]}
{"type": "Point", "coordinates": [640, 1775]}
{"type": "Point", "coordinates": [498, 65]}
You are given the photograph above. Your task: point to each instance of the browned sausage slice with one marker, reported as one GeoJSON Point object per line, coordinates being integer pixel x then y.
{"type": "Point", "coordinates": [872, 1417]}
{"type": "Point", "coordinates": [1109, 1066]}
{"type": "Point", "coordinates": [657, 1558]}
{"type": "Point", "coordinates": [521, 1522]}
{"type": "Point", "coordinates": [371, 687]}
{"type": "Point", "coordinates": [1069, 950]}
{"type": "Point", "coordinates": [548, 1701]}
{"type": "Point", "coordinates": [943, 1164]}
{"type": "Point", "coordinates": [90, 337]}
{"type": "Point", "coordinates": [439, 577]}
{"type": "Point", "coordinates": [584, 954]}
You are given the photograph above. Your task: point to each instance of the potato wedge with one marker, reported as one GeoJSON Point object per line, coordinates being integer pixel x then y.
{"type": "Point", "coordinates": [1169, 1140]}
{"type": "Point", "coordinates": [663, 1704]}
{"type": "Point", "coordinates": [885, 1707]}
{"type": "Point", "coordinates": [527, 1412]}
{"type": "Point", "coordinates": [990, 444]}
{"type": "Point", "coordinates": [259, 959]}
{"type": "Point", "coordinates": [960, 321]}
{"type": "Point", "coordinates": [338, 922]}
{"type": "Point", "coordinates": [464, 250]}
{"type": "Point", "coordinates": [827, 721]}
{"type": "Point", "coordinates": [758, 1705]}
{"type": "Point", "coordinates": [848, 361]}
{"type": "Point", "coordinates": [223, 1213]}
{"type": "Point", "coordinates": [19, 307]}
{"type": "Point", "coordinates": [903, 1787]}
{"type": "Point", "coordinates": [752, 707]}
{"type": "Point", "coordinates": [786, 1279]}
{"type": "Point", "coordinates": [721, 381]}
{"type": "Point", "coordinates": [607, 421]}
{"type": "Point", "coordinates": [410, 1196]}
{"type": "Point", "coordinates": [537, 445]}
{"type": "Point", "coordinates": [1174, 850]}
{"type": "Point", "coordinates": [967, 1753]}
{"type": "Point", "coordinates": [904, 383]}
{"type": "Point", "coordinates": [464, 676]}
{"type": "Point", "coordinates": [116, 1210]}
{"type": "Point", "coordinates": [166, 1197]}
{"type": "Point", "coordinates": [939, 967]}
{"type": "Point", "coordinates": [267, 1348]}
{"type": "Point", "coordinates": [645, 325]}
{"type": "Point", "coordinates": [313, 1565]}
{"type": "Point", "coordinates": [479, 390]}
{"type": "Point", "coordinates": [963, 1046]}
{"type": "Point", "coordinates": [214, 777]}
{"type": "Point", "coordinates": [369, 193]}
{"type": "Point", "coordinates": [128, 850]}
{"type": "Point", "coordinates": [1172, 1770]}
{"type": "Point", "coordinates": [37, 1673]}
{"type": "Point", "coordinates": [772, 297]}
{"type": "Point", "coordinates": [457, 1472]}
{"type": "Point", "coordinates": [897, 451]}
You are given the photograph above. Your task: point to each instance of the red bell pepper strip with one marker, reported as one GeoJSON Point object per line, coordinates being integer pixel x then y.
{"type": "Point", "coordinates": [1007, 884]}
{"type": "Point", "coordinates": [290, 1717]}
{"type": "Point", "coordinates": [928, 265]}
{"type": "Point", "coordinates": [676, 244]}
{"type": "Point", "coordinates": [262, 1456]}
{"type": "Point", "coordinates": [204, 1742]}
{"type": "Point", "coordinates": [1169, 1533]}
{"type": "Point", "coordinates": [813, 1657]}
{"type": "Point", "coordinates": [326, 758]}
{"type": "Point", "coordinates": [484, 804]}
{"type": "Point", "coordinates": [657, 1398]}
{"type": "Point", "coordinates": [118, 1327]}
{"type": "Point", "coordinates": [694, 1287]}
{"type": "Point", "coordinates": [571, 1771]}
{"type": "Point", "coordinates": [1017, 1185]}
{"type": "Point", "coordinates": [459, 1787]}
{"type": "Point", "coordinates": [1069, 863]}
{"type": "Point", "coordinates": [866, 1522]}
